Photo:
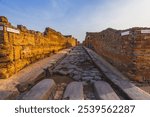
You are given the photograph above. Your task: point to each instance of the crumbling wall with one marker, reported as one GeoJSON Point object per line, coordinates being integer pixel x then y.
{"type": "Point", "coordinates": [128, 50]}
{"type": "Point", "coordinates": [20, 46]}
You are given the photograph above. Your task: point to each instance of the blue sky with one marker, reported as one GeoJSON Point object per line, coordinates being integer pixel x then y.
{"type": "Point", "coordinates": [77, 17]}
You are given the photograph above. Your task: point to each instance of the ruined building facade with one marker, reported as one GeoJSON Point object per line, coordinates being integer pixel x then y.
{"type": "Point", "coordinates": [20, 46]}
{"type": "Point", "coordinates": [128, 50]}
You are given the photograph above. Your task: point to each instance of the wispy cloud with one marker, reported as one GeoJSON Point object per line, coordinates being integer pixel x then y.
{"type": "Point", "coordinates": [119, 14]}
{"type": "Point", "coordinates": [77, 16]}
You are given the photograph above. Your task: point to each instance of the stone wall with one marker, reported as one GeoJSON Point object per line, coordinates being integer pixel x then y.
{"type": "Point", "coordinates": [20, 46]}
{"type": "Point", "coordinates": [128, 50]}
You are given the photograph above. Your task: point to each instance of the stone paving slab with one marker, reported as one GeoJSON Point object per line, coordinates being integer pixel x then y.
{"type": "Point", "coordinates": [74, 91]}
{"type": "Point", "coordinates": [41, 91]}
{"type": "Point", "coordinates": [104, 91]}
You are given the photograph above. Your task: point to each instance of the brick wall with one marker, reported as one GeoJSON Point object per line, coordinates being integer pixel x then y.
{"type": "Point", "coordinates": [128, 50]}
{"type": "Point", "coordinates": [20, 46]}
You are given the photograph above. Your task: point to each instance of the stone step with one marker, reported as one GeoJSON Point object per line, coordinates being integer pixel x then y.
{"type": "Point", "coordinates": [74, 91]}
{"type": "Point", "coordinates": [104, 91]}
{"type": "Point", "coordinates": [41, 91]}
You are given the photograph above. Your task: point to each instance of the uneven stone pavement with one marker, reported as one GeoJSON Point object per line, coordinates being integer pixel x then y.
{"type": "Point", "coordinates": [73, 74]}
{"type": "Point", "coordinates": [79, 67]}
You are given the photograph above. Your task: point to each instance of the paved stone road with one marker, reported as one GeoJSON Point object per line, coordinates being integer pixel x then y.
{"type": "Point", "coordinates": [85, 77]}
{"type": "Point", "coordinates": [72, 74]}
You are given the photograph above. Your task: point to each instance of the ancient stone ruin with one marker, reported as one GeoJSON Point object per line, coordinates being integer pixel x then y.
{"type": "Point", "coordinates": [128, 50]}
{"type": "Point", "coordinates": [20, 47]}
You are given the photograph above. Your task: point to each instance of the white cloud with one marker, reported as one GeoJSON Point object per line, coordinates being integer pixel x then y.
{"type": "Point", "coordinates": [133, 14]}
{"type": "Point", "coordinates": [119, 14]}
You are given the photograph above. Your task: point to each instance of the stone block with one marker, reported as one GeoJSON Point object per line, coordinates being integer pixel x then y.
{"type": "Point", "coordinates": [74, 91]}
{"type": "Point", "coordinates": [104, 91]}
{"type": "Point", "coordinates": [4, 73]}
{"type": "Point", "coordinates": [17, 52]}
{"type": "Point", "coordinates": [4, 20]}
{"type": "Point", "coordinates": [41, 91]}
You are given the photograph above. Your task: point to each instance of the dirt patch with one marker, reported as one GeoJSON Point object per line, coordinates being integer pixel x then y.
{"type": "Point", "coordinates": [89, 92]}
{"type": "Point", "coordinates": [61, 79]}
{"type": "Point", "coordinates": [61, 84]}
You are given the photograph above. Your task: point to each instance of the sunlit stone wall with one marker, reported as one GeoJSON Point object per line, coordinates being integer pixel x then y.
{"type": "Point", "coordinates": [20, 46]}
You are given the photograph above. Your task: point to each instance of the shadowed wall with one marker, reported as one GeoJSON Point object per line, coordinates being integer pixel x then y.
{"type": "Point", "coordinates": [128, 50]}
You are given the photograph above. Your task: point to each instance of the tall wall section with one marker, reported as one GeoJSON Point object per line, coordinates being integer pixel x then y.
{"type": "Point", "coordinates": [20, 46]}
{"type": "Point", "coordinates": [128, 50]}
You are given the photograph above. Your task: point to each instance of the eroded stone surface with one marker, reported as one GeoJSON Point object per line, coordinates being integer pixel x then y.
{"type": "Point", "coordinates": [41, 91]}
{"type": "Point", "coordinates": [78, 66]}
{"type": "Point", "coordinates": [74, 91]}
{"type": "Point", "coordinates": [104, 91]}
